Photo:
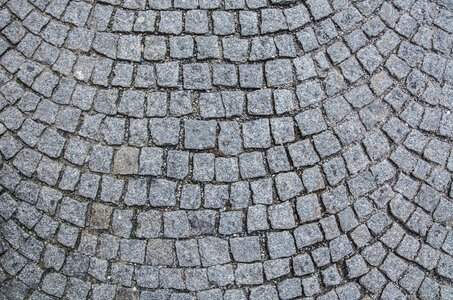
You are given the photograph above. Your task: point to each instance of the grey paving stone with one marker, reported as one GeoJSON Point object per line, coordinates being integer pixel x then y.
{"type": "Point", "coordinates": [167, 74]}
{"type": "Point", "coordinates": [147, 277]}
{"type": "Point", "coordinates": [145, 76]}
{"type": "Point", "coordinates": [223, 23]}
{"type": "Point", "coordinates": [203, 166]}
{"type": "Point", "coordinates": [262, 191]}
{"type": "Point", "coordinates": [213, 251]}
{"type": "Point", "coordinates": [311, 122]}
{"type": "Point", "coordinates": [229, 138]}
{"type": "Point", "coordinates": [373, 281]}
{"type": "Point", "coordinates": [126, 160]}
{"type": "Point", "coordinates": [235, 49]}
{"type": "Point", "coordinates": [321, 257]}
{"type": "Point", "coordinates": [73, 211]}
{"type": "Point", "coordinates": [150, 161]}
{"type": "Point", "coordinates": [77, 13]}
{"type": "Point", "coordinates": [221, 275]}
{"type": "Point", "coordinates": [296, 16]}
{"type": "Point", "coordinates": [326, 31]}
{"type": "Point", "coordinates": [256, 134]}
{"type": "Point", "coordinates": [227, 169]}
{"type": "Point", "coordinates": [249, 274]}
{"type": "Point", "coordinates": [54, 284]}
{"type": "Point", "coordinates": [202, 222]}
{"type": "Point", "coordinates": [224, 75]}
{"type": "Point", "coordinates": [356, 266]}
{"type": "Point", "coordinates": [272, 20]}
{"type": "Point", "coordinates": [246, 249]}
{"type": "Point", "coordinates": [211, 105]}
{"type": "Point", "coordinates": [138, 132]}
{"type": "Point", "coordinates": [260, 102]}
{"type": "Point", "coordinates": [303, 264]}
{"type": "Point", "coordinates": [164, 131]}
{"type": "Point", "coordinates": [286, 45]}
{"type": "Point", "coordinates": [309, 93]}
{"type": "Point", "coordinates": [362, 184]}
{"type": "Point", "coordinates": [231, 222]}
{"type": "Point", "coordinates": [122, 222]}
{"type": "Point", "coordinates": [176, 224]}
{"type": "Point", "coordinates": [181, 47]}
{"type": "Point", "coordinates": [340, 247]}
{"type": "Point", "coordinates": [215, 195]}
{"type": "Point", "coordinates": [305, 67]}
{"type": "Point", "coordinates": [155, 48]}
{"type": "Point", "coordinates": [280, 244]}
{"type": "Point", "coordinates": [313, 179]}
{"type": "Point", "coordinates": [171, 22]}
{"type": "Point", "coordinates": [251, 165]}
{"type": "Point", "coordinates": [262, 48]}
{"type": "Point", "coordinates": [307, 235]}
{"type": "Point", "coordinates": [200, 134]}
{"type": "Point", "coordinates": [197, 76]}
{"type": "Point", "coordinates": [196, 279]}
{"type": "Point", "coordinates": [76, 265]}
{"type": "Point", "coordinates": [162, 192]}
{"type": "Point", "coordinates": [132, 250]}
{"type": "Point", "coordinates": [196, 21]}
{"type": "Point", "coordinates": [281, 216]}
{"type": "Point", "coordinates": [249, 23]}
{"type": "Point", "coordinates": [251, 76]}
{"type": "Point", "coordinates": [257, 218]}
{"type": "Point", "coordinates": [406, 25]}
{"type": "Point", "coordinates": [88, 186]}
{"type": "Point", "coordinates": [290, 288]}
{"type": "Point", "coordinates": [190, 196]}
{"type": "Point", "coordinates": [326, 144]}
{"type": "Point", "coordinates": [319, 9]}
{"type": "Point", "coordinates": [278, 159]}
{"type": "Point", "coordinates": [160, 252]}
{"type": "Point", "coordinates": [177, 162]}
{"type": "Point", "coordinates": [122, 273]}
{"type": "Point", "coordinates": [279, 72]}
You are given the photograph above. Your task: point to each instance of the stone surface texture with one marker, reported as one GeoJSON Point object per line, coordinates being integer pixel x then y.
{"type": "Point", "coordinates": [226, 149]}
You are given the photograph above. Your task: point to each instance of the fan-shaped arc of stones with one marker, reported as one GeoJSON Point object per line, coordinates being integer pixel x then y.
{"type": "Point", "coordinates": [226, 149]}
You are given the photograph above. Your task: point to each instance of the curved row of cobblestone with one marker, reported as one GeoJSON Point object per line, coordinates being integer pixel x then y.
{"type": "Point", "coordinates": [208, 149]}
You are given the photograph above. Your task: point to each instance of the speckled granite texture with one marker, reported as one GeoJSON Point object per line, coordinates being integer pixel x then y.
{"type": "Point", "coordinates": [226, 149]}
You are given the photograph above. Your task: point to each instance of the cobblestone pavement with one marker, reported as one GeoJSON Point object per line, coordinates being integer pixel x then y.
{"type": "Point", "coordinates": [226, 149]}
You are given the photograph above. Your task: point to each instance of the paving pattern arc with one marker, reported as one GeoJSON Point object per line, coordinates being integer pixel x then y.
{"type": "Point", "coordinates": [226, 149]}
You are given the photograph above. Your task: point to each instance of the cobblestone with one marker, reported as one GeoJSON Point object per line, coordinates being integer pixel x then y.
{"type": "Point", "coordinates": [251, 149]}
